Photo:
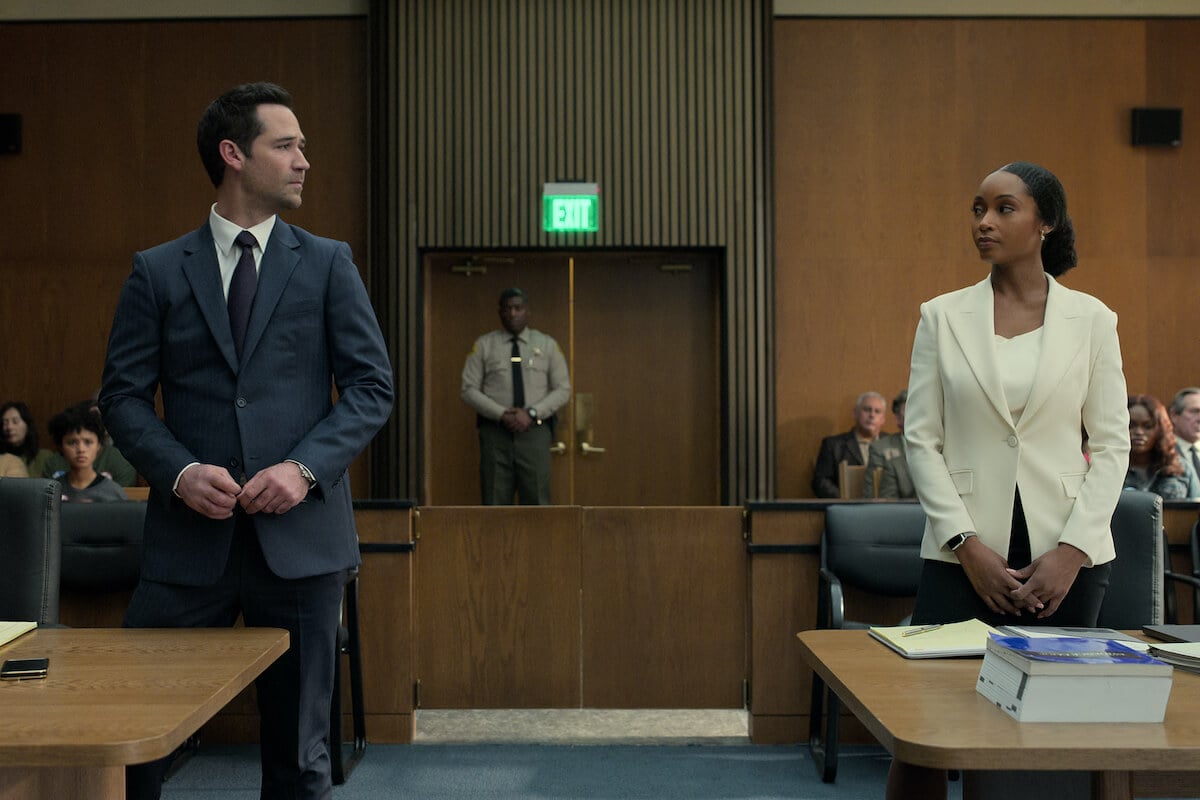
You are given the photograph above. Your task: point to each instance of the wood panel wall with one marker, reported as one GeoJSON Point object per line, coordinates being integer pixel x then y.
{"type": "Point", "coordinates": [109, 166]}
{"type": "Point", "coordinates": [884, 129]}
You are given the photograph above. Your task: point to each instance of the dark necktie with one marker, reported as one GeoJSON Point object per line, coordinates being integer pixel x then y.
{"type": "Point", "coordinates": [518, 380]}
{"type": "Point", "coordinates": [1195, 460]}
{"type": "Point", "coordinates": [241, 291]}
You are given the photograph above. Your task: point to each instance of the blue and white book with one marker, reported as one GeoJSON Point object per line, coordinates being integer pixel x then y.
{"type": "Point", "coordinates": [1067, 679]}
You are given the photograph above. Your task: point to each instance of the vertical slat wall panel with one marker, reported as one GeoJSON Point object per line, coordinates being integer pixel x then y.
{"type": "Point", "coordinates": [664, 103]}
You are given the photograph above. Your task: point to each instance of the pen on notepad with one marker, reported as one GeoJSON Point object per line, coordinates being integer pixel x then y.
{"type": "Point", "coordinates": [922, 629]}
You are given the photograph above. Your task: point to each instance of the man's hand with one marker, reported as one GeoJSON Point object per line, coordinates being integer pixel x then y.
{"type": "Point", "coordinates": [274, 490]}
{"type": "Point", "coordinates": [989, 574]}
{"type": "Point", "coordinates": [1048, 578]}
{"type": "Point", "coordinates": [209, 490]}
{"type": "Point", "coordinates": [516, 420]}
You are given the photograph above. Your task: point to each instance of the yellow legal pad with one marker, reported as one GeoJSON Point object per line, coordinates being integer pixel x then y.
{"type": "Point", "coordinates": [941, 641]}
{"type": "Point", "coordinates": [11, 630]}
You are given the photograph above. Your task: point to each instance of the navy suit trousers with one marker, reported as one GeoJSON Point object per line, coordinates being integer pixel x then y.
{"type": "Point", "coordinates": [294, 693]}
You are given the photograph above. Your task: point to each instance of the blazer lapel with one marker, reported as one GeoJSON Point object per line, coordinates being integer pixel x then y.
{"type": "Point", "coordinates": [280, 258]}
{"type": "Point", "coordinates": [1062, 340]}
{"type": "Point", "coordinates": [203, 274]}
{"type": "Point", "coordinates": [973, 326]}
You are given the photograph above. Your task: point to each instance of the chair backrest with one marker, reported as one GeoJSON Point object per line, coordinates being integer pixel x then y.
{"type": "Point", "coordinates": [875, 546]}
{"type": "Point", "coordinates": [29, 564]}
{"type": "Point", "coordinates": [850, 480]}
{"type": "Point", "coordinates": [1135, 586]}
{"type": "Point", "coordinates": [102, 544]}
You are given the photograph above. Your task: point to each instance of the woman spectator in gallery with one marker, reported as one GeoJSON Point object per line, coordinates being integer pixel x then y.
{"type": "Point", "coordinates": [1003, 374]}
{"type": "Point", "coordinates": [18, 435]}
{"type": "Point", "coordinates": [1154, 462]}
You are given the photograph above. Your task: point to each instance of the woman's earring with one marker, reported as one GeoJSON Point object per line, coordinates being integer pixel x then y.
{"type": "Point", "coordinates": [1043, 236]}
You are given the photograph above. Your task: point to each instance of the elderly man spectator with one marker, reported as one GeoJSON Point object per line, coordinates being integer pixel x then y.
{"type": "Point", "coordinates": [1185, 418]}
{"type": "Point", "coordinates": [852, 446]}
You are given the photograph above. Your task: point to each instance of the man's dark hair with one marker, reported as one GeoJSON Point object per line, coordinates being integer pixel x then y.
{"type": "Point", "coordinates": [234, 116]}
{"type": "Point", "coordinates": [899, 400]}
{"type": "Point", "coordinates": [510, 293]}
{"type": "Point", "coordinates": [76, 418]}
{"type": "Point", "coordinates": [1058, 249]}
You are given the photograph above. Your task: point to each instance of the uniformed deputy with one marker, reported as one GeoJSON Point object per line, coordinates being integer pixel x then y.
{"type": "Point", "coordinates": [515, 379]}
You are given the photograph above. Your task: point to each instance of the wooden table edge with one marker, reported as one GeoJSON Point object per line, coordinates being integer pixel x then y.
{"type": "Point", "coordinates": [944, 757]}
{"type": "Point", "coordinates": [139, 751]}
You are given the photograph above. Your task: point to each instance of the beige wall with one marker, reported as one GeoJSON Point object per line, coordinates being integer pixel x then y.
{"type": "Point", "coordinates": [884, 129]}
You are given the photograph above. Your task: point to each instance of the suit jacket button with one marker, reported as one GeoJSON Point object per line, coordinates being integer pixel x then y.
{"type": "Point", "coordinates": [1012, 440]}
{"type": "Point", "coordinates": [241, 402]}
{"type": "Point", "coordinates": [233, 462]}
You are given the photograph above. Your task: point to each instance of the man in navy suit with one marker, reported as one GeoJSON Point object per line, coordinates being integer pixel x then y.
{"type": "Point", "coordinates": [250, 507]}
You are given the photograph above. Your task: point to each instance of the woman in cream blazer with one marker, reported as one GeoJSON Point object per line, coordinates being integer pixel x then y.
{"type": "Point", "coordinates": [1004, 374]}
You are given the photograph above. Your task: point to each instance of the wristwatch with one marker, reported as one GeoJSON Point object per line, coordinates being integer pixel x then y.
{"type": "Point", "coordinates": [306, 473]}
{"type": "Point", "coordinates": [532, 412]}
{"type": "Point", "coordinates": [958, 540]}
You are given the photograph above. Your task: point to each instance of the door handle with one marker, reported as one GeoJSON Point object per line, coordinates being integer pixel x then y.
{"type": "Point", "coordinates": [586, 448]}
{"type": "Point", "coordinates": [558, 448]}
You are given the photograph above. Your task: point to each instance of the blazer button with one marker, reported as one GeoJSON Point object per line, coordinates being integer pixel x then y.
{"type": "Point", "coordinates": [241, 402]}
{"type": "Point", "coordinates": [235, 463]}
{"type": "Point", "coordinates": [1012, 440]}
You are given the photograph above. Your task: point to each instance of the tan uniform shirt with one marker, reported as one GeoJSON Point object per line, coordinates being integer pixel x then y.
{"type": "Point", "coordinates": [487, 375]}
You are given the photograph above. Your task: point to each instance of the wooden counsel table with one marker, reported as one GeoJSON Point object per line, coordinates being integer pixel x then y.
{"type": "Point", "coordinates": [115, 697]}
{"type": "Point", "coordinates": [927, 712]}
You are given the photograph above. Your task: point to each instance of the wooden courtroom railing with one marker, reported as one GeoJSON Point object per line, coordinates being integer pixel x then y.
{"type": "Point", "coordinates": [567, 607]}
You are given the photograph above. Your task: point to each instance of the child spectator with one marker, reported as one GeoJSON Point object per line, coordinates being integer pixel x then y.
{"type": "Point", "coordinates": [78, 433]}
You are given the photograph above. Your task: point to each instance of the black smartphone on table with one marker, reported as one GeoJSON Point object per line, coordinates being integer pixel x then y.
{"type": "Point", "coordinates": [23, 669]}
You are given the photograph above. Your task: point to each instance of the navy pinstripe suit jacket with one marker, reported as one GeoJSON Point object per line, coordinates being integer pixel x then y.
{"type": "Point", "coordinates": [312, 328]}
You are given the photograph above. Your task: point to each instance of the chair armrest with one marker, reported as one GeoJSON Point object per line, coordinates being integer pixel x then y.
{"type": "Point", "coordinates": [831, 609]}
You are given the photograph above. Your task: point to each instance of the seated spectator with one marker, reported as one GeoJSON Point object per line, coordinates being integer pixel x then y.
{"type": "Point", "coordinates": [1154, 463]}
{"type": "Point", "coordinates": [852, 446]}
{"type": "Point", "coordinates": [78, 432]}
{"type": "Point", "coordinates": [1185, 420]}
{"type": "Point", "coordinates": [20, 438]}
{"type": "Point", "coordinates": [110, 463]}
{"type": "Point", "coordinates": [894, 482]}
{"type": "Point", "coordinates": [12, 466]}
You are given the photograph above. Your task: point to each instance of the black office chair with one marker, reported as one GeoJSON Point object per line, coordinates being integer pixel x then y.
{"type": "Point", "coordinates": [1135, 586]}
{"type": "Point", "coordinates": [875, 547]}
{"type": "Point", "coordinates": [1191, 581]}
{"type": "Point", "coordinates": [31, 563]}
{"type": "Point", "coordinates": [348, 644]}
{"type": "Point", "coordinates": [102, 545]}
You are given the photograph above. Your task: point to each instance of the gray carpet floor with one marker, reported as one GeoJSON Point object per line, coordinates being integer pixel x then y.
{"type": "Point", "coordinates": [558, 772]}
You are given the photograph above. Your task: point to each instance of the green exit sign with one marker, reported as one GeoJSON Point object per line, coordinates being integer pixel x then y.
{"type": "Point", "coordinates": [571, 207]}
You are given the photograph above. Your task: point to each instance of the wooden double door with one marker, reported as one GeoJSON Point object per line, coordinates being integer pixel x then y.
{"type": "Point", "coordinates": [641, 334]}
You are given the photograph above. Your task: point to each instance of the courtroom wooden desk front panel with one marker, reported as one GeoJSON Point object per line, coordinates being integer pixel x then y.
{"type": "Point", "coordinates": [927, 712]}
{"type": "Point", "coordinates": [784, 542]}
{"type": "Point", "coordinates": [568, 607]}
{"type": "Point", "coordinates": [115, 697]}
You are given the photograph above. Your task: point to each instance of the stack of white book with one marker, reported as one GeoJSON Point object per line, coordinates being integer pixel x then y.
{"type": "Point", "coordinates": [1036, 679]}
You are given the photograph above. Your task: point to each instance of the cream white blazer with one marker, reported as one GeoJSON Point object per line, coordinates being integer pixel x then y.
{"type": "Point", "coordinates": [967, 456]}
